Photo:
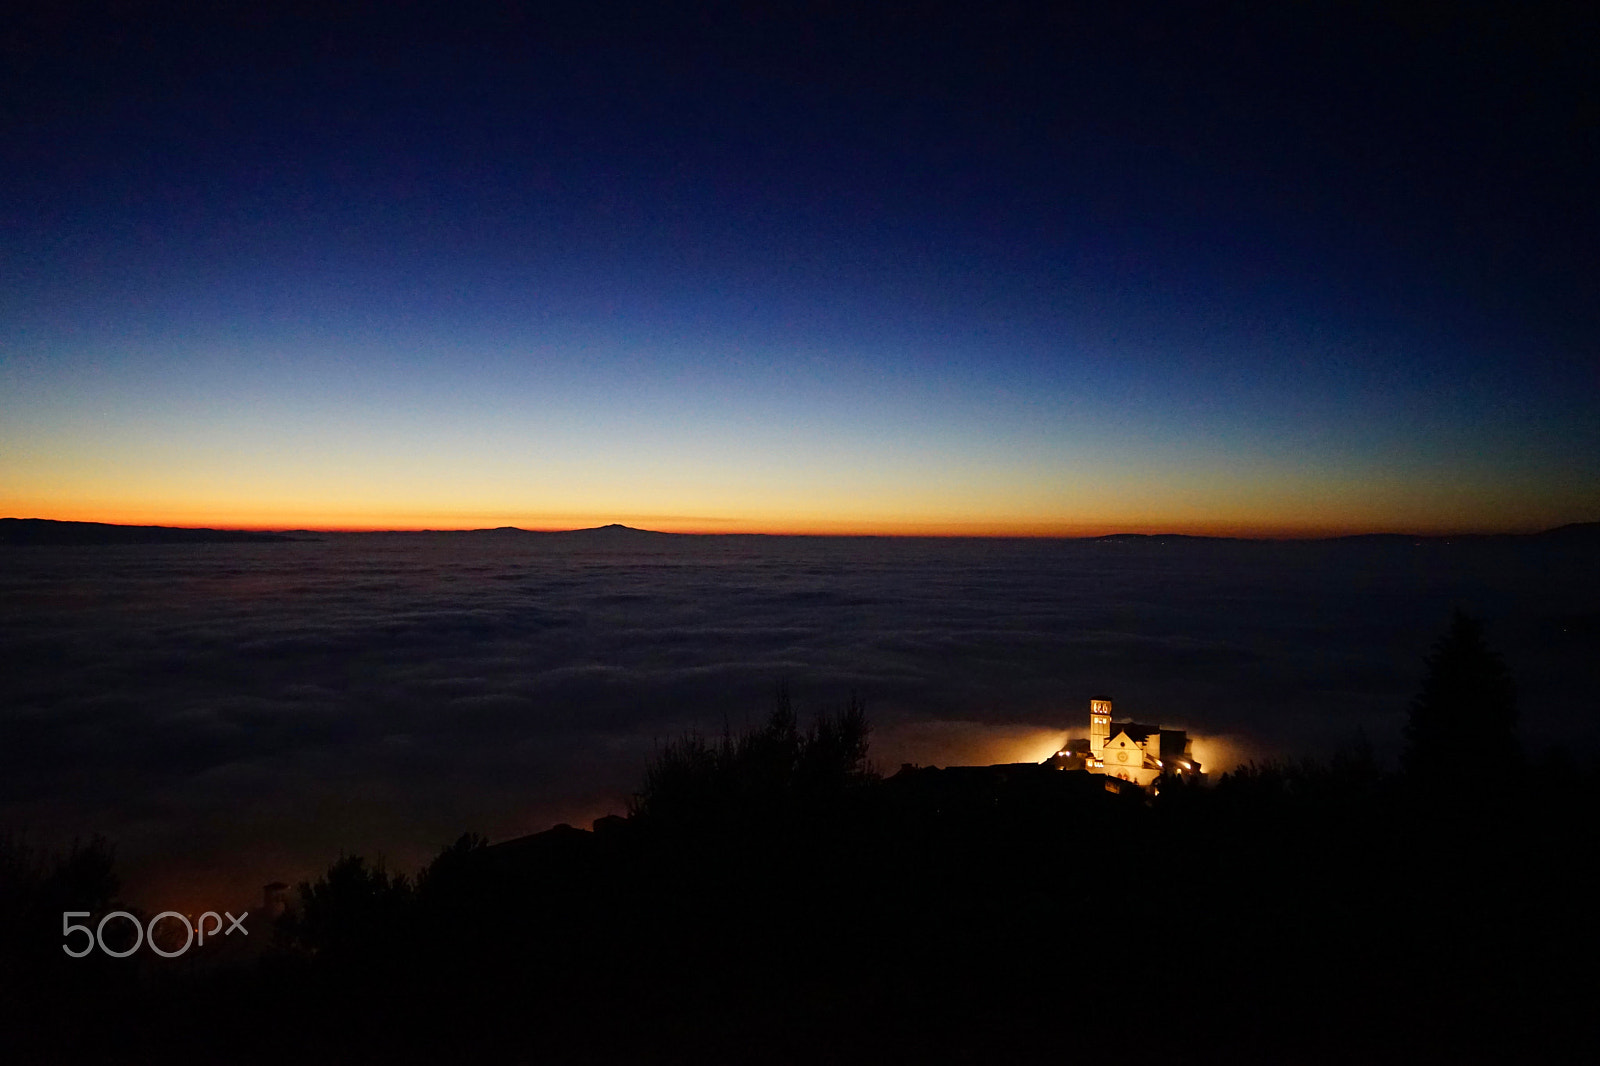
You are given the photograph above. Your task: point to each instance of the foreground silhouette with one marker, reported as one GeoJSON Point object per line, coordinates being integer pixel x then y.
{"type": "Point", "coordinates": [1466, 714]}
{"type": "Point", "coordinates": [771, 899]}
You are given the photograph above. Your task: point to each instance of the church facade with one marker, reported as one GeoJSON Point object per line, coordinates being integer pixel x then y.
{"type": "Point", "coordinates": [1129, 751]}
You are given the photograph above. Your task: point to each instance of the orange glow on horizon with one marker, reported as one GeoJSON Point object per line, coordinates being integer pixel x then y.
{"type": "Point", "coordinates": [399, 522]}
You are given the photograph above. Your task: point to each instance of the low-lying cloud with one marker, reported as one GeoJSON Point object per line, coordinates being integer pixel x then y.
{"type": "Point", "coordinates": [241, 712]}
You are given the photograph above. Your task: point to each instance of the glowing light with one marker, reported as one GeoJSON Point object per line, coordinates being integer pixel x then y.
{"type": "Point", "coordinates": [966, 743]}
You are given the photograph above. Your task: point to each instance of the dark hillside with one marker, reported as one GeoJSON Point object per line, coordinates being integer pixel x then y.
{"type": "Point", "coordinates": [1290, 913]}
{"type": "Point", "coordinates": [48, 531]}
{"type": "Point", "coordinates": [771, 898]}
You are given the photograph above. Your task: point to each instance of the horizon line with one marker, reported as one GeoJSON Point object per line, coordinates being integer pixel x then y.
{"type": "Point", "coordinates": [1237, 533]}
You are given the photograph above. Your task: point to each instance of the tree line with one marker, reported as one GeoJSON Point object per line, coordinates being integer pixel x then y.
{"type": "Point", "coordinates": [770, 897]}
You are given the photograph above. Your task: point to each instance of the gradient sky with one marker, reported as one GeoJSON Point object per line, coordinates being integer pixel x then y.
{"type": "Point", "coordinates": [798, 268]}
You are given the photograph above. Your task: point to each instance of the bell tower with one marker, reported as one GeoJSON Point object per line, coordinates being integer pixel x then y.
{"type": "Point", "coordinates": [1099, 724]}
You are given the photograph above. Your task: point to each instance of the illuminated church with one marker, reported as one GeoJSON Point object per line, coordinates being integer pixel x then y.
{"type": "Point", "coordinates": [1127, 750]}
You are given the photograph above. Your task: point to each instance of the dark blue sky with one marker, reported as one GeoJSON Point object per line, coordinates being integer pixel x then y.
{"type": "Point", "coordinates": [802, 267]}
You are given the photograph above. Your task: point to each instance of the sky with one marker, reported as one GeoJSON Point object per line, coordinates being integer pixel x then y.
{"type": "Point", "coordinates": [980, 269]}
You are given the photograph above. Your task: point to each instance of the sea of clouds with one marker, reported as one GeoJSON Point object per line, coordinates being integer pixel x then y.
{"type": "Point", "coordinates": [234, 714]}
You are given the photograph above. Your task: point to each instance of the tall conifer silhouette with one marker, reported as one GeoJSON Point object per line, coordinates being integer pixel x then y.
{"type": "Point", "coordinates": [1464, 719]}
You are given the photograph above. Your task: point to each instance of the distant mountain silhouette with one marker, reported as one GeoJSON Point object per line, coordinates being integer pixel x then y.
{"type": "Point", "coordinates": [1572, 533]}
{"type": "Point", "coordinates": [1588, 532]}
{"type": "Point", "coordinates": [1155, 538]}
{"type": "Point", "coordinates": [49, 531]}
{"type": "Point", "coordinates": [611, 532]}
{"type": "Point", "coordinates": [615, 530]}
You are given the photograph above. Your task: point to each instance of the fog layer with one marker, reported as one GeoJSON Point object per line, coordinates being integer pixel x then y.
{"type": "Point", "coordinates": [236, 713]}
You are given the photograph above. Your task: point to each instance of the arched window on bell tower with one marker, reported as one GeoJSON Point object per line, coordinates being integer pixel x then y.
{"type": "Point", "coordinates": [1099, 724]}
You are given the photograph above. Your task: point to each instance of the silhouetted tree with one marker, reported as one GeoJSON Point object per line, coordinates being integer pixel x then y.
{"type": "Point", "coordinates": [1464, 719]}
{"type": "Point", "coordinates": [350, 908]}
{"type": "Point", "coordinates": [753, 773]}
{"type": "Point", "coordinates": [36, 886]}
{"type": "Point", "coordinates": [836, 747]}
{"type": "Point", "coordinates": [449, 866]}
